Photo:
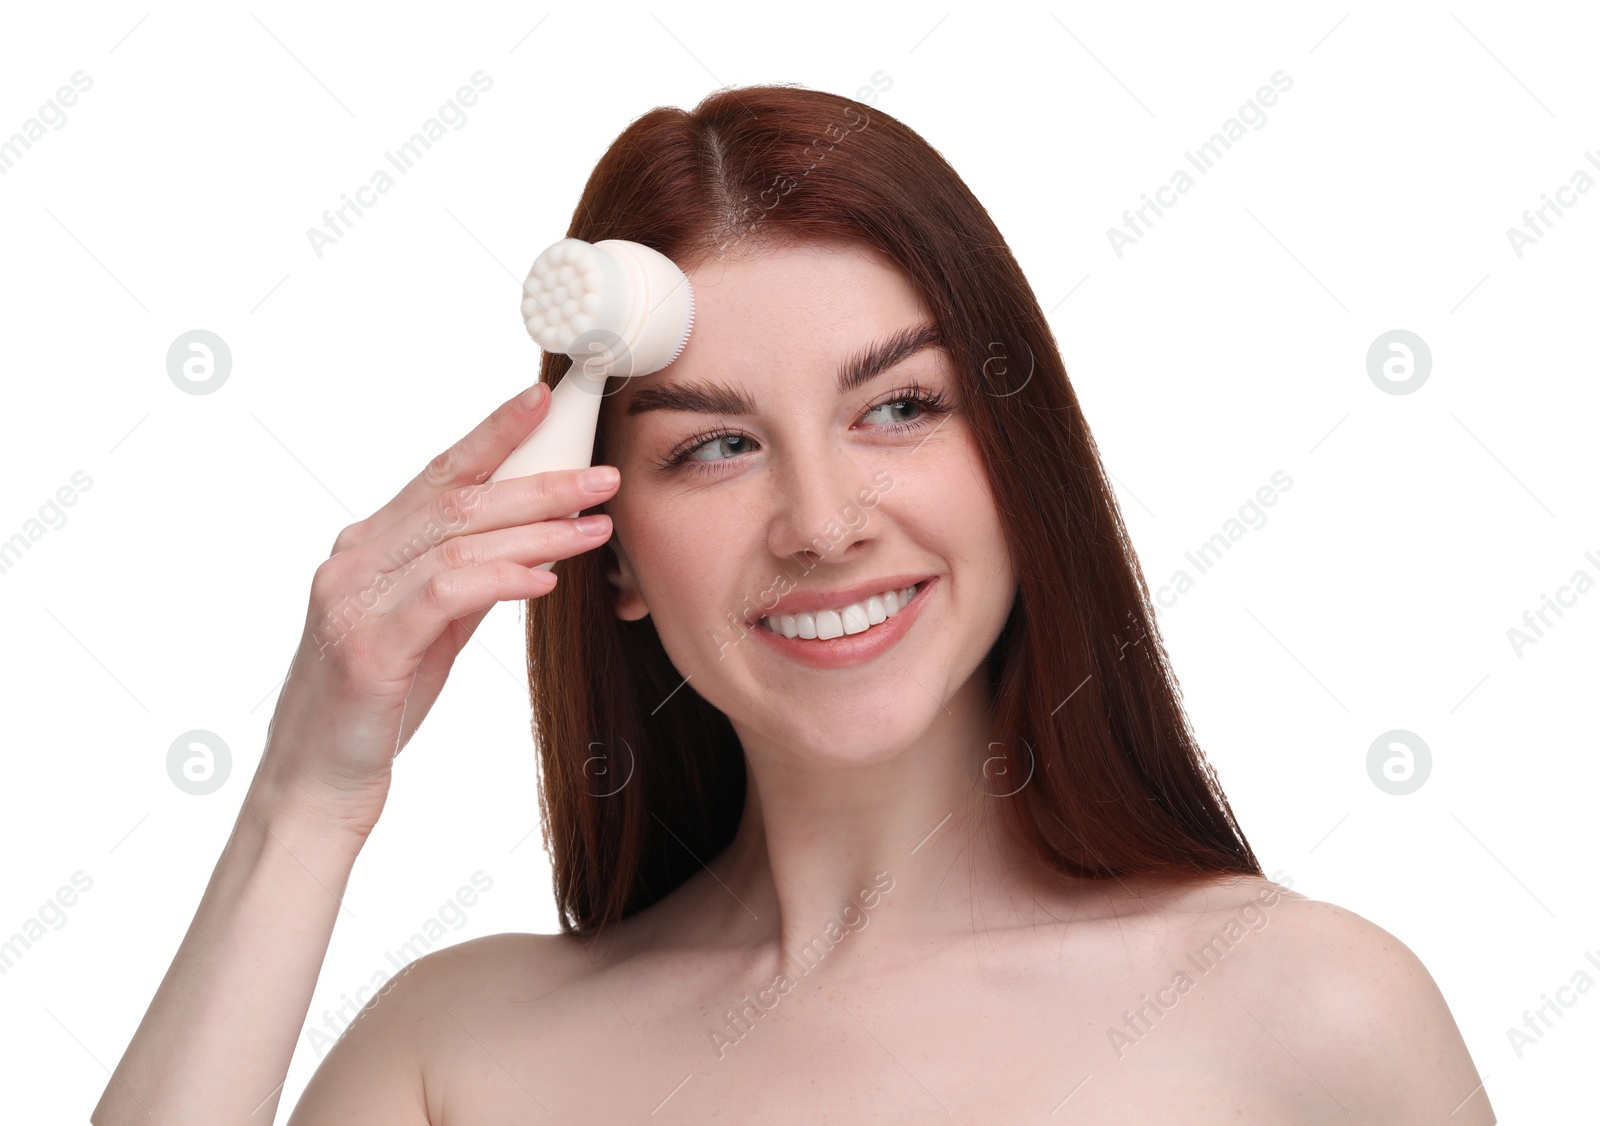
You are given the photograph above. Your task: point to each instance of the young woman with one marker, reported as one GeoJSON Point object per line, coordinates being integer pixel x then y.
{"type": "Point", "coordinates": [865, 779]}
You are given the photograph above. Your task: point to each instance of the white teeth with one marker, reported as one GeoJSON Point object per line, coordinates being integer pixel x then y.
{"type": "Point", "coordinates": [857, 617]}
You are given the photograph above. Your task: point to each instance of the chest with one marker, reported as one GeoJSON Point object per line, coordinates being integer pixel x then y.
{"type": "Point", "coordinates": [952, 1040]}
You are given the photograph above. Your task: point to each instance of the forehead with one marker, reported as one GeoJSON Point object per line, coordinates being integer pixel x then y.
{"type": "Point", "coordinates": [768, 282]}
{"type": "Point", "coordinates": [786, 306]}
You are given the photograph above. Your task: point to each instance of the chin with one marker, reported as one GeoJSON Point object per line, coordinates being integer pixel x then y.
{"type": "Point", "coordinates": [849, 743]}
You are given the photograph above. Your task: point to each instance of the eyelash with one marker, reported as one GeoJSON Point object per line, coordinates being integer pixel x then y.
{"type": "Point", "coordinates": [933, 404]}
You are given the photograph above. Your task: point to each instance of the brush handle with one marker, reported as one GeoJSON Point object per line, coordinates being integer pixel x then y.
{"type": "Point", "coordinates": [565, 438]}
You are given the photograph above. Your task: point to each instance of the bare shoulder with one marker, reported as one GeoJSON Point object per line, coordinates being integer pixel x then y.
{"type": "Point", "coordinates": [496, 963]}
{"type": "Point", "coordinates": [459, 988]}
{"type": "Point", "coordinates": [1354, 1007]}
{"type": "Point", "coordinates": [391, 1061]}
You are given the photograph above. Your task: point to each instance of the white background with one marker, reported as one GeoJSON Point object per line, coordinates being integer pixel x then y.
{"type": "Point", "coordinates": [1229, 343]}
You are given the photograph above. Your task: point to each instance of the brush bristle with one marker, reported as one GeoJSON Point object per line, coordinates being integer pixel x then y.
{"type": "Point", "coordinates": [688, 330]}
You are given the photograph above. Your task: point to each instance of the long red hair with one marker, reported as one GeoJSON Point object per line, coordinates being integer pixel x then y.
{"type": "Point", "coordinates": [1108, 778]}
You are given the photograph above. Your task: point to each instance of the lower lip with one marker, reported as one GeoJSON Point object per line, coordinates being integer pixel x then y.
{"type": "Point", "coordinates": [853, 648]}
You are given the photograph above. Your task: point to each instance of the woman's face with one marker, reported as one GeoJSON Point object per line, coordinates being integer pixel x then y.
{"type": "Point", "coordinates": [787, 486]}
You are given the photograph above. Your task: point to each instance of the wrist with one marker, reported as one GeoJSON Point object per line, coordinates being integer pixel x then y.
{"type": "Point", "coordinates": [309, 812]}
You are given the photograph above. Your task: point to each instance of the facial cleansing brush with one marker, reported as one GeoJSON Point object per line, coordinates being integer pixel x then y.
{"type": "Point", "coordinates": [617, 308]}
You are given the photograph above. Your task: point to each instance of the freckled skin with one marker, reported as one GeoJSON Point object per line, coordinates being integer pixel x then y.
{"type": "Point", "coordinates": [967, 984]}
{"type": "Point", "coordinates": [1000, 1026]}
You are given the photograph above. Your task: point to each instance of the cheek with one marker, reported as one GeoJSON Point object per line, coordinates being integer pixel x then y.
{"type": "Point", "coordinates": [684, 552]}
{"type": "Point", "coordinates": [973, 529]}
{"type": "Point", "coordinates": [976, 499]}
{"type": "Point", "coordinates": [950, 500]}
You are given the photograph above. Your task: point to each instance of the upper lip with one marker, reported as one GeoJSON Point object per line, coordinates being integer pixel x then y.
{"type": "Point", "coordinates": [802, 601]}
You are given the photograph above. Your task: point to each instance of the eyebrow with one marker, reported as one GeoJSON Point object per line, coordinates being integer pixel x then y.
{"type": "Point", "coordinates": [706, 397]}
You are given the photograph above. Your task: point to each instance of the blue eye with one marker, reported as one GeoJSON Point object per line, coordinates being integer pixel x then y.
{"type": "Point", "coordinates": [725, 440]}
{"type": "Point", "coordinates": [928, 405]}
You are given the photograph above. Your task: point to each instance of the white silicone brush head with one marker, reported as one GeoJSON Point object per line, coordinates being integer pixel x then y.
{"type": "Point", "coordinates": [616, 307]}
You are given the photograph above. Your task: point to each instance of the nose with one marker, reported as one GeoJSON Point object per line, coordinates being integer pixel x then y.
{"type": "Point", "coordinates": [817, 509]}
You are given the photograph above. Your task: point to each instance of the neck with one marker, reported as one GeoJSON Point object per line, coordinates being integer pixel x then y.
{"type": "Point", "coordinates": [850, 858]}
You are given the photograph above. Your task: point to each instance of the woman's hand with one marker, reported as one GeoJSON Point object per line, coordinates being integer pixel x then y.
{"type": "Point", "coordinates": [399, 598]}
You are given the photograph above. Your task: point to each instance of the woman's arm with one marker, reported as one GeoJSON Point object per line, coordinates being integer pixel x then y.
{"type": "Point", "coordinates": [215, 1044]}
{"type": "Point", "coordinates": [389, 612]}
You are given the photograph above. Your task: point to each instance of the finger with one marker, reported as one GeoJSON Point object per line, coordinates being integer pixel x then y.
{"type": "Point", "coordinates": [460, 592]}
{"type": "Point", "coordinates": [526, 545]}
{"type": "Point", "coordinates": [513, 503]}
{"type": "Point", "coordinates": [468, 462]}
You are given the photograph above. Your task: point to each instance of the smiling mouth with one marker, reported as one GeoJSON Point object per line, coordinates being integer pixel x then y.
{"type": "Point", "coordinates": [857, 617]}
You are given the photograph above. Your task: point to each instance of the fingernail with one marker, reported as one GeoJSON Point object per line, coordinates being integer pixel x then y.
{"type": "Point", "coordinates": [598, 478]}
{"type": "Point", "coordinates": [533, 396]}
